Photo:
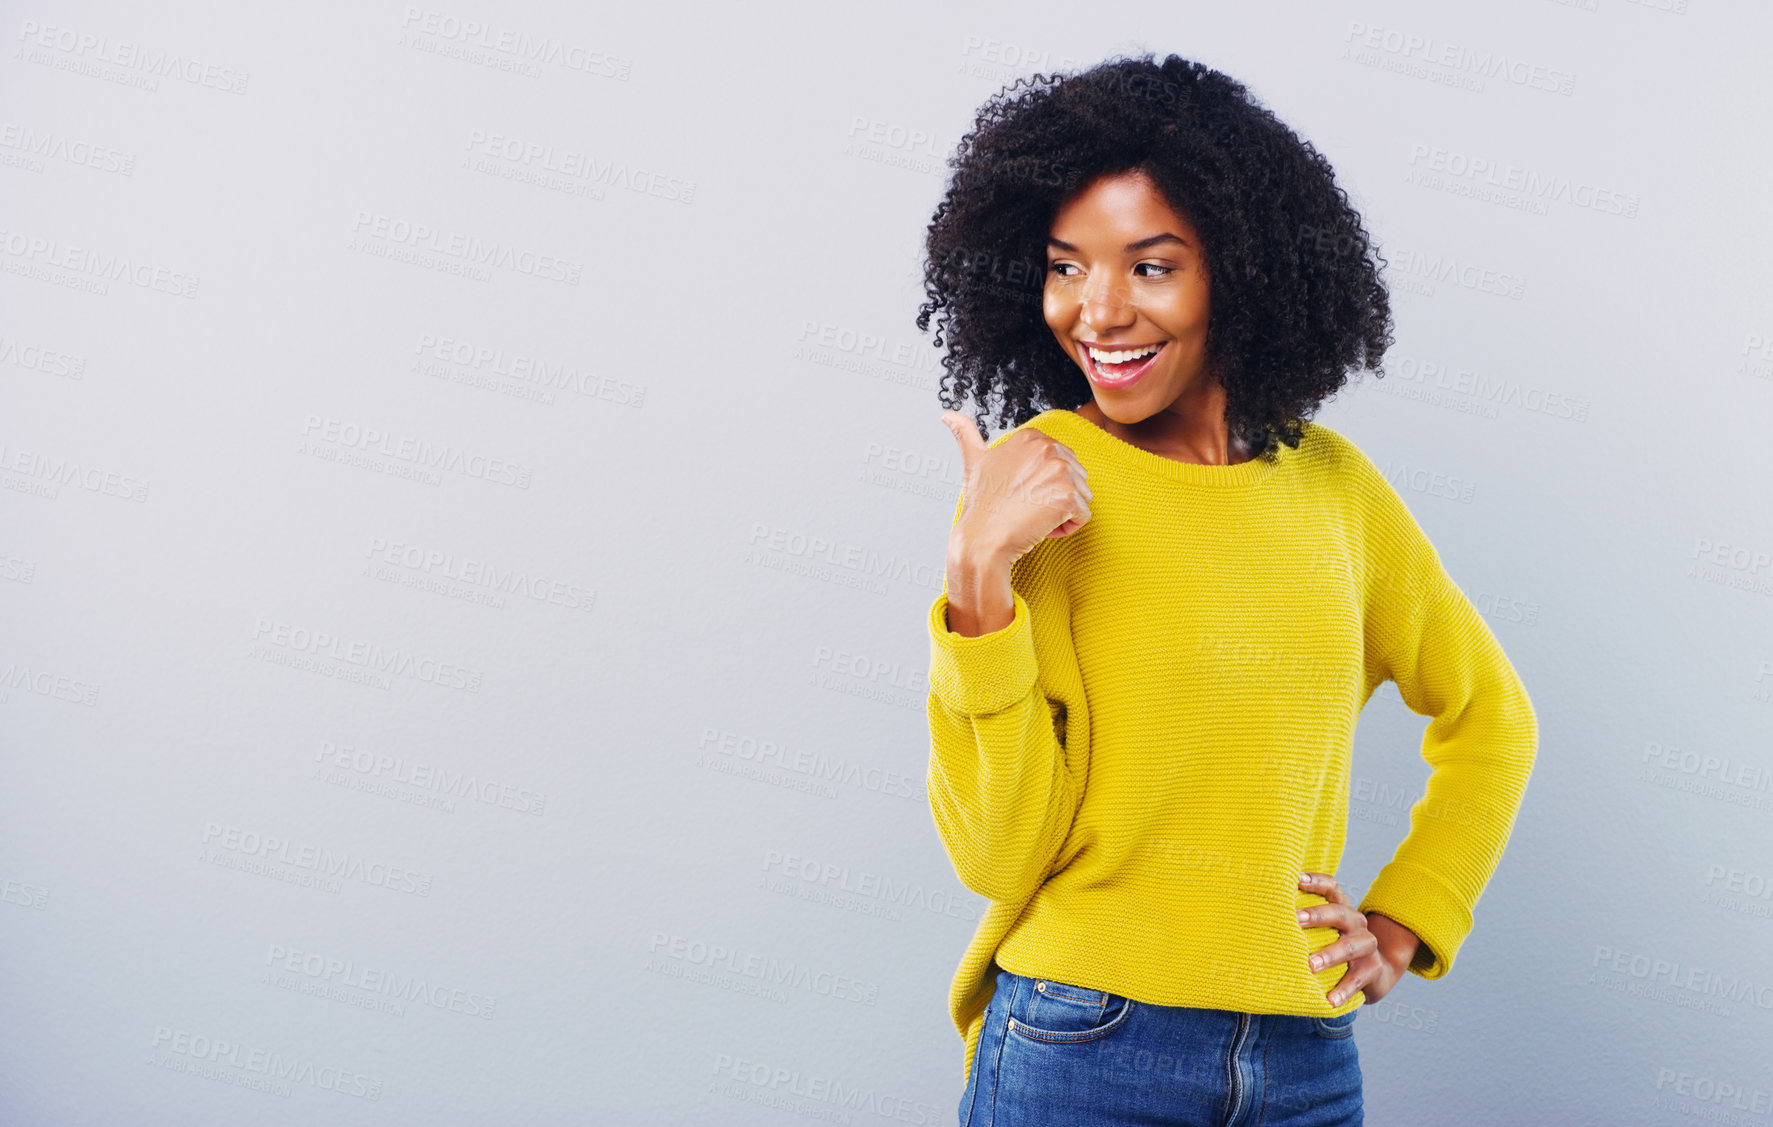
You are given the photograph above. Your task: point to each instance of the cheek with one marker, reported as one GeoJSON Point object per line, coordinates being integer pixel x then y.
{"type": "Point", "coordinates": [1200, 303]}
{"type": "Point", "coordinates": [1056, 311]}
{"type": "Point", "coordinates": [1188, 317]}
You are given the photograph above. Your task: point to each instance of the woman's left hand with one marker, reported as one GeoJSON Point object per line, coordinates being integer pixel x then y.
{"type": "Point", "coordinates": [1378, 950]}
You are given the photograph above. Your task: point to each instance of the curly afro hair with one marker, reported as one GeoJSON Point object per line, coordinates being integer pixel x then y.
{"type": "Point", "coordinates": [1297, 299]}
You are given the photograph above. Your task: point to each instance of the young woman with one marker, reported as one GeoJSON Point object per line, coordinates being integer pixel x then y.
{"type": "Point", "coordinates": [1168, 597]}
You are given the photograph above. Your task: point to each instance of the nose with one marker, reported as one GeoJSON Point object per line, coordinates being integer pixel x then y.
{"type": "Point", "coordinates": [1105, 303]}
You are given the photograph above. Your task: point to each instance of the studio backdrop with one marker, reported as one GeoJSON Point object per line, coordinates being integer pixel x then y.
{"type": "Point", "coordinates": [473, 490]}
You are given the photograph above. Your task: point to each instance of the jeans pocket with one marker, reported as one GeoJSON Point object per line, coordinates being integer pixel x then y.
{"type": "Point", "coordinates": [1338, 1027]}
{"type": "Point", "coordinates": [1059, 1013]}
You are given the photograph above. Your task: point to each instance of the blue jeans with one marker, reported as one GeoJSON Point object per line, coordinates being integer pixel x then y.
{"type": "Point", "coordinates": [1051, 1053]}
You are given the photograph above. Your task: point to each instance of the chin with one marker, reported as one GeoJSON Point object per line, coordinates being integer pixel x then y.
{"type": "Point", "coordinates": [1125, 411]}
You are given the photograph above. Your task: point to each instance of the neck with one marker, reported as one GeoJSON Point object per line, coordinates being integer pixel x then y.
{"type": "Point", "coordinates": [1183, 437]}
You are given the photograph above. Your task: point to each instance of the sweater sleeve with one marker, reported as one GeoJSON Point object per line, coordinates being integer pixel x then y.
{"type": "Point", "coordinates": [1480, 745]}
{"type": "Point", "coordinates": [1009, 736]}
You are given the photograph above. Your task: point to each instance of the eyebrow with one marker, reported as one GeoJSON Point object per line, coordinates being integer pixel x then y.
{"type": "Point", "coordinates": [1166, 237]}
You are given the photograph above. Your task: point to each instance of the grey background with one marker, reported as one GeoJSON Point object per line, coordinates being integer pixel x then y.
{"type": "Point", "coordinates": [615, 744]}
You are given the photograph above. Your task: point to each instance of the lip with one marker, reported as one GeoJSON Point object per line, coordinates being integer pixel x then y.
{"type": "Point", "coordinates": [1102, 379]}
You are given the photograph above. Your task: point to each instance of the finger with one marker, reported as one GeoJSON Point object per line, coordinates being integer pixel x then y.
{"type": "Point", "coordinates": [1080, 516]}
{"type": "Point", "coordinates": [1344, 949]}
{"type": "Point", "coordinates": [1362, 975]}
{"type": "Point", "coordinates": [1325, 885]}
{"type": "Point", "coordinates": [1083, 483]}
{"type": "Point", "coordinates": [1343, 917]}
{"type": "Point", "coordinates": [966, 432]}
{"type": "Point", "coordinates": [1065, 529]}
{"type": "Point", "coordinates": [1345, 989]}
{"type": "Point", "coordinates": [1064, 452]}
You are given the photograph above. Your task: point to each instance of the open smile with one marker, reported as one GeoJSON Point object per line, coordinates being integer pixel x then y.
{"type": "Point", "coordinates": [1109, 373]}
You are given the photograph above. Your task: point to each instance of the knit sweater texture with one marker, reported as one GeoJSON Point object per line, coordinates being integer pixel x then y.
{"type": "Point", "coordinates": [1137, 769]}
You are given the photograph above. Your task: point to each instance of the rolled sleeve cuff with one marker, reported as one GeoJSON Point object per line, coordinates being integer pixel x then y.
{"type": "Point", "coordinates": [1418, 899]}
{"type": "Point", "coordinates": [986, 674]}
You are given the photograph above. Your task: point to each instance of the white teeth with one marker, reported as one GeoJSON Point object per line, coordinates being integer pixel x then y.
{"type": "Point", "coordinates": [1102, 357]}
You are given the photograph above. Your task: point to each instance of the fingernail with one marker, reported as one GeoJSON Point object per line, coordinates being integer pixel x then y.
{"type": "Point", "coordinates": [1316, 962]}
{"type": "Point", "coordinates": [1304, 915]}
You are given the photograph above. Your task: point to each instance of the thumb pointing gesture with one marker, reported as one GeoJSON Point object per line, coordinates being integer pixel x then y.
{"type": "Point", "coordinates": [966, 432]}
{"type": "Point", "coordinates": [1029, 488]}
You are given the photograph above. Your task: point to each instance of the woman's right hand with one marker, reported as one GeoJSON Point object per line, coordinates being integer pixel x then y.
{"type": "Point", "coordinates": [1029, 487]}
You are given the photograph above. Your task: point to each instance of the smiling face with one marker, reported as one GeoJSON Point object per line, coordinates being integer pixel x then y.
{"type": "Point", "coordinates": [1125, 272]}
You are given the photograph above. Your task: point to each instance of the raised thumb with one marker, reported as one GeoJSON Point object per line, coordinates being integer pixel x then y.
{"type": "Point", "coordinates": [966, 433]}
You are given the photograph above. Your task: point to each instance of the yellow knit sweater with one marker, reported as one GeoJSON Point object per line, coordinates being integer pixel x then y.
{"type": "Point", "coordinates": [1135, 771]}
